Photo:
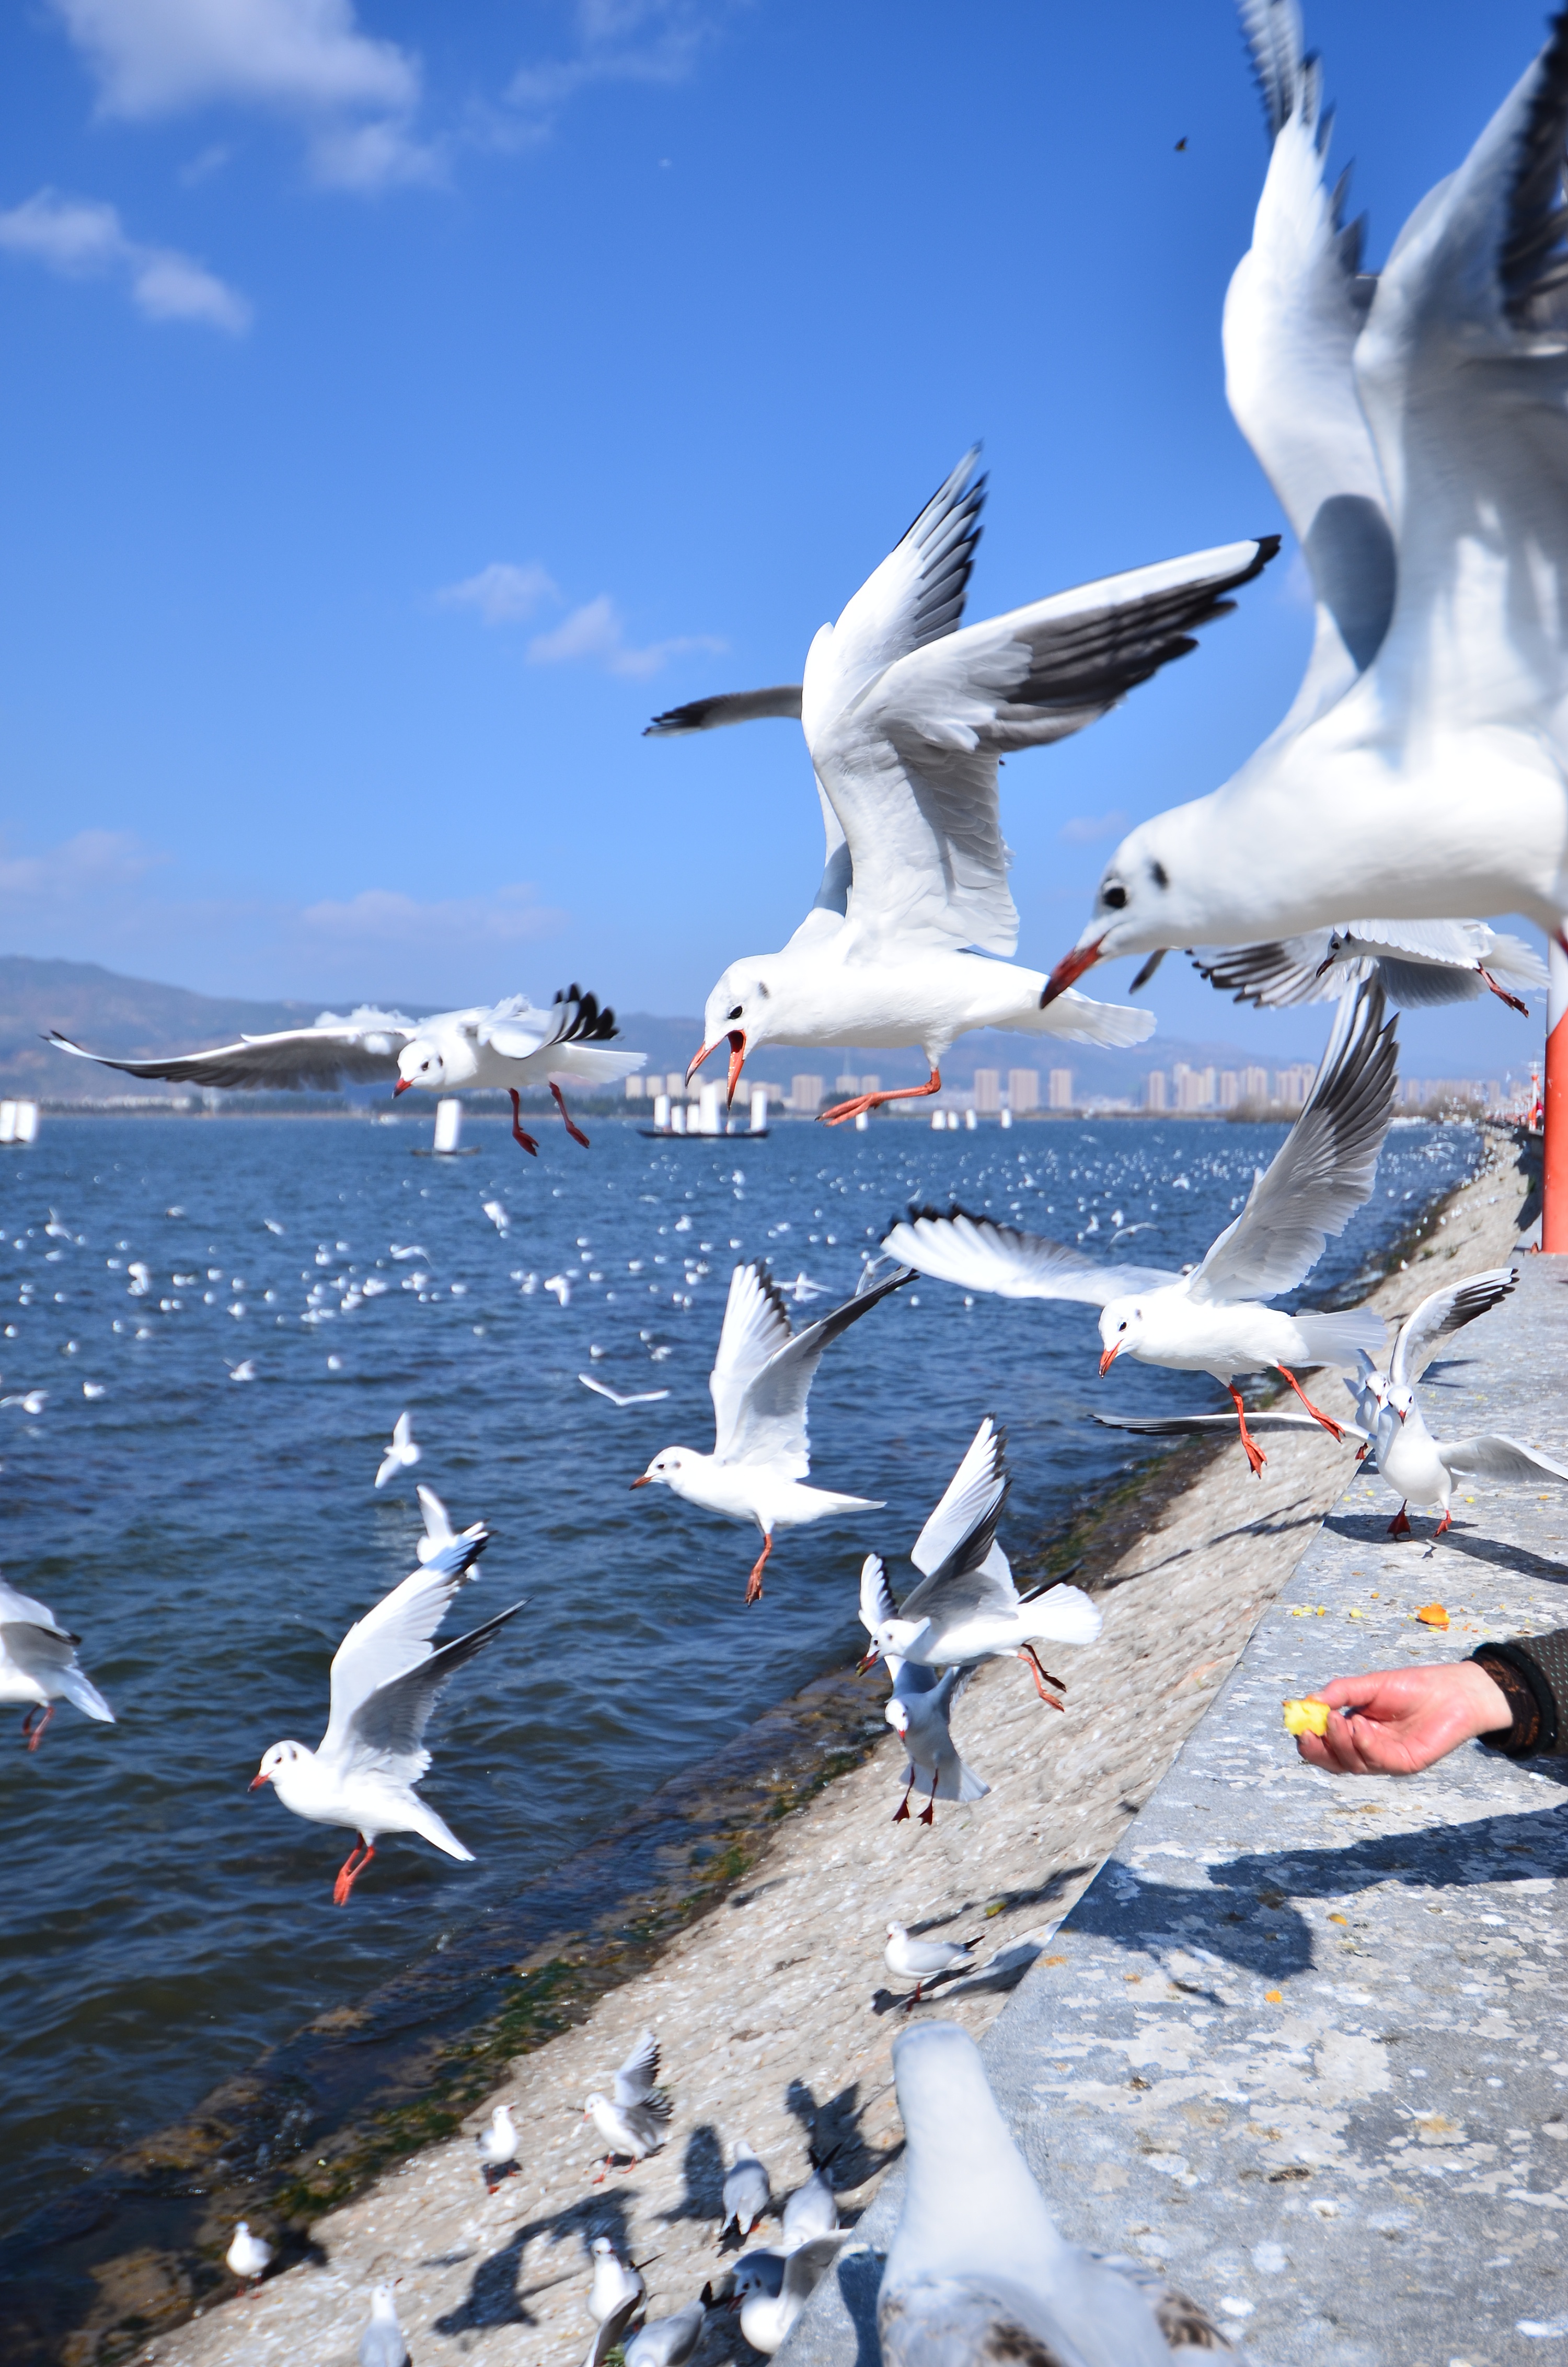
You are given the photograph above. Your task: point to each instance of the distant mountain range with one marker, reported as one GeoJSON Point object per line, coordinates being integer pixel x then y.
{"type": "Point", "coordinates": [133, 1016]}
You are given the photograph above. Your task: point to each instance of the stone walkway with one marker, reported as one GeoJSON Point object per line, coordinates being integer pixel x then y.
{"type": "Point", "coordinates": [1303, 2041]}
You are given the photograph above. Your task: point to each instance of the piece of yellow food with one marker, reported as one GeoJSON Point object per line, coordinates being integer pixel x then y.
{"type": "Point", "coordinates": [1432, 1615]}
{"type": "Point", "coordinates": [1306, 1717]}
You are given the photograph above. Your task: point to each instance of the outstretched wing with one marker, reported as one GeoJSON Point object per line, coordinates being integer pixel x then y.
{"type": "Point", "coordinates": [770, 1423]}
{"type": "Point", "coordinates": [974, 1572]}
{"type": "Point", "coordinates": [1494, 1456]}
{"type": "Point", "coordinates": [730, 706]}
{"type": "Point", "coordinates": [387, 1728]}
{"type": "Point", "coordinates": [756, 1325]}
{"type": "Point", "coordinates": [907, 755]}
{"type": "Point", "coordinates": [1294, 309]}
{"type": "Point", "coordinates": [518, 1028]}
{"type": "Point", "coordinates": [1444, 1312]}
{"type": "Point", "coordinates": [978, 1254]}
{"type": "Point", "coordinates": [1321, 1173]}
{"type": "Point", "coordinates": [391, 1643]}
{"type": "Point", "coordinates": [635, 2080]}
{"type": "Point", "coordinates": [1203, 1425]}
{"type": "Point", "coordinates": [971, 1496]}
{"type": "Point", "coordinates": [361, 1049]}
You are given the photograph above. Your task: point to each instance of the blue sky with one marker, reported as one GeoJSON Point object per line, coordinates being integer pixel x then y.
{"type": "Point", "coordinates": [404, 401]}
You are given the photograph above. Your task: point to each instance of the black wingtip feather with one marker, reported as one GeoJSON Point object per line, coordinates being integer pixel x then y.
{"type": "Point", "coordinates": [1532, 262]}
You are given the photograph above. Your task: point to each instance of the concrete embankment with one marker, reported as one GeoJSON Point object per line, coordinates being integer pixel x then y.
{"type": "Point", "coordinates": [772, 2006]}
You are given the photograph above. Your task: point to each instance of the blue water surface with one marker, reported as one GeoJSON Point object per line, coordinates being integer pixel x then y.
{"type": "Point", "coordinates": [210, 1538]}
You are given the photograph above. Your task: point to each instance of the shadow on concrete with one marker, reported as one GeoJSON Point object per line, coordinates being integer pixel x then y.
{"type": "Point", "coordinates": [702, 2167]}
{"type": "Point", "coordinates": [1245, 1918]}
{"type": "Point", "coordinates": [497, 2295]}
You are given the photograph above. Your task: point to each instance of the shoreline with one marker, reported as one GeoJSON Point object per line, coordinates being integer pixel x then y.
{"type": "Point", "coordinates": [135, 2250]}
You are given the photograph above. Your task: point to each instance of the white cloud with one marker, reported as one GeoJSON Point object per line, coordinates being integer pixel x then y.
{"type": "Point", "coordinates": [383, 917]}
{"type": "Point", "coordinates": [81, 238]}
{"type": "Point", "coordinates": [356, 94]}
{"type": "Point", "coordinates": [618, 40]}
{"type": "Point", "coordinates": [595, 634]}
{"type": "Point", "coordinates": [503, 594]}
{"type": "Point", "coordinates": [1082, 830]}
{"type": "Point", "coordinates": [93, 862]}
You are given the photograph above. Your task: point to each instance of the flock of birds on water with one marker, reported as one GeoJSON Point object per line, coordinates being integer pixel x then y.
{"type": "Point", "coordinates": [1414, 427]}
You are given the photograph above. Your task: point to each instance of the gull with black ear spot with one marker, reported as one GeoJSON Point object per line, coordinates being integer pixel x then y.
{"type": "Point", "coordinates": [1212, 1318]}
{"type": "Point", "coordinates": [907, 714]}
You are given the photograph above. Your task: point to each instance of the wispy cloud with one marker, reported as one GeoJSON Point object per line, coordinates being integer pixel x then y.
{"type": "Point", "coordinates": [594, 634]}
{"type": "Point", "coordinates": [1082, 830]}
{"type": "Point", "coordinates": [92, 863]}
{"type": "Point", "coordinates": [618, 40]}
{"type": "Point", "coordinates": [81, 238]}
{"type": "Point", "coordinates": [355, 95]}
{"type": "Point", "coordinates": [383, 919]}
{"type": "Point", "coordinates": [502, 594]}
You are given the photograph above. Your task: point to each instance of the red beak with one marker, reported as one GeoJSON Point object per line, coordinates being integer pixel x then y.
{"type": "Point", "coordinates": [256, 1781]}
{"type": "Point", "coordinates": [643, 1483]}
{"type": "Point", "coordinates": [401, 1086]}
{"type": "Point", "coordinates": [872, 1656]}
{"type": "Point", "coordinates": [737, 1043]}
{"type": "Point", "coordinates": [1108, 1359]}
{"type": "Point", "coordinates": [1070, 968]}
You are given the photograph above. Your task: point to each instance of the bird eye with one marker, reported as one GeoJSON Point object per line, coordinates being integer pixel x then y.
{"type": "Point", "coordinates": [1115, 896]}
{"type": "Point", "coordinates": [1159, 874]}
{"type": "Point", "coordinates": [735, 1013]}
{"type": "Point", "coordinates": [1121, 1326]}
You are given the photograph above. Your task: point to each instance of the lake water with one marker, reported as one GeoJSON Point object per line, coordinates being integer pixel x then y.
{"type": "Point", "coordinates": [210, 1539]}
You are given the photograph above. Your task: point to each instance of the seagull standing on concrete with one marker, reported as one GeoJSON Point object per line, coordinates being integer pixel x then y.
{"type": "Point", "coordinates": [247, 2255]}
{"type": "Point", "coordinates": [1462, 371]}
{"type": "Point", "coordinates": [761, 1378]}
{"type": "Point", "coordinates": [966, 1608]}
{"type": "Point", "coordinates": [976, 2270]}
{"type": "Point", "coordinates": [1212, 1318]}
{"type": "Point", "coordinates": [498, 2144]}
{"type": "Point", "coordinates": [39, 1665]}
{"type": "Point", "coordinates": [386, 1675]}
{"type": "Point", "coordinates": [508, 1046]}
{"type": "Point", "coordinates": [748, 2197]}
{"type": "Point", "coordinates": [811, 2210]}
{"type": "Point", "coordinates": [1422, 1469]}
{"type": "Point", "coordinates": [382, 2343]}
{"type": "Point", "coordinates": [906, 718]}
{"type": "Point", "coordinates": [633, 2119]}
{"type": "Point", "coordinates": [615, 2282]}
{"type": "Point", "coordinates": [909, 1959]}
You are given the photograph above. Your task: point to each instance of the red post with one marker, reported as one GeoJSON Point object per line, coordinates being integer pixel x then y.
{"type": "Point", "coordinates": [1554, 1176]}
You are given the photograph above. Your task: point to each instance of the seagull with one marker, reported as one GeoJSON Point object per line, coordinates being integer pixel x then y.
{"type": "Point", "coordinates": [245, 1370]}
{"type": "Point", "coordinates": [382, 2343]}
{"type": "Point", "coordinates": [496, 1212]}
{"type": "Point", "coordinates": [94, 1391]}
{"type": "Point", "coordinates": [32, 1401]}
{"type": "Point", "coordinates": [632, 2120]}
{"type": "Point", "coordinates": [37, 1664]}
{"type": "Point", "coordinates": [386, 1675]}
{"type": "Point", "coordinates": [499, 1047]}
{"type": "Point", "coordinates": [402, 1455]}
{"type": "Point", "coordinates": [748, 2196]}
{"type": "Point", "coordinates": [1212, 1318]}
{"type": "Point", "coordinates": [667, 2341]}
{"type": "Point", "coordinates": [248, 2255]}
{"type": "Point", "coordinates": [1418, 964]}
{"type": "Point", "coordinates": [810, 2212]}
{"type": "Point", "coordinates": [439, 1531]}
{"type": "Point", "coordinates": [497, 2142]}
{"type": "Point", "coordinates": [766, 2318]}
{"type": "Point", "coordinates": [612, 2333]}
{"type": "Point", "coordinates": [926, 1959]}
{"type": "Point", "coordinates": [920, 1719]}
{"type": "Point", "coordinates": [1462, 373]}
{"type": "Point", "coordinates": [614, 2283]}
{"type": "Point", "coordinates": [976, 2270]}
{"type": "Point", "coordinates": [966, 1608]}
{"type": "Point", "coordinates": [620, 1398]}
{"type": "Point", "coordinates": [759, 1383]}
{"type": "Point", "coordinates": [906, 718]}
{"type": "Point", "coordinates": [1422, 1469]}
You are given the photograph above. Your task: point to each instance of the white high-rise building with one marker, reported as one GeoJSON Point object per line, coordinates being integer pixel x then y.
{"type": "Point", "coordinates": [1023, 1090]}
{"type": "Point", "coordinates": [987, 1092]}
{"type": "Point", "coordinates": [1155, 1090]}
{"type": "Point", "coordinates": [1254, 1084]}
{"type": "Point", "coordinates": [1291, 1086]}
{"type": "Point", "coordinates": [1230, 1089]}
{"type": "Point", "coordinates": [1060, 1088]}
{"type": "Point", "coordinates": [805, 1094]}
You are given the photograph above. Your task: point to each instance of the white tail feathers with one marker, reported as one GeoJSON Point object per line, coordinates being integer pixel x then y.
{"type": "Point", "coordinates": [1064, 1615]}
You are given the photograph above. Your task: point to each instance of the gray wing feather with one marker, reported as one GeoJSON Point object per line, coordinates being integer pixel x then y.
{"type": "Point", "coordinates": [973, 1494]}
{"type": "Point", "coordinates": [770, 1421]}
{"type": "Point", "coordinates": [730, 706]}
{"type": "Point", "coordinates": [1443, 1313]}
{"type": "Point", "coordinates": [316, 1058]}
{"type": "Point", "coordinates": [1322, 1172]}
{"type": "Point", "coordinates": [1494, 1456]}
{"type": "Point", "coordinates": [389, 1723]}
{"type": "Point", "coordinates": [634, 2080]}
{"type": "Point", "coordinates": [979, 1254]}
{"type": "Point", "coordinates": [1185, 1425]}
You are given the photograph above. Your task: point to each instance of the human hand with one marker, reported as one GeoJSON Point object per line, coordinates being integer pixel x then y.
{"type": "Point", "coordinates": [1396, 1721]}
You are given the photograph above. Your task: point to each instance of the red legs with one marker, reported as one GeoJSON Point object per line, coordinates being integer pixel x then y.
{"type": "Point", "coordinates": [567, 1120]}
{"type": "Point", "coordinates": [841, 1110]}
{"type": "Point", "coordinates": [1502, 992]}
{"type": "Point", "coordinates": [928, 1813]}
{"type": "Point", "coordinates": [35, 1734]}
{"type": "Point", "coordinates": [529, 1145]}
{"type": "Point", "coordinates": [1400, 1524]}
{"type": "Point", "coordinates": [913, 2000]}
{"type": "Point", "coordinates": [754, 1583]}
{"type": "Point", "coordinates": [1363, 1450]}
{"type": "Point", "coordinates": [1446, 1522]}
{"type": "Point", "coordinates": [1255, 1454]}
{"type": "Point", "coordinates": [1037, 1669]}
{"type": "Point", "coordinates": [352, 1866]}
{"type": "Point", "coordinates": [1316, 1412]}
{"type": "Point", "coordinates": [902, 1811]}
